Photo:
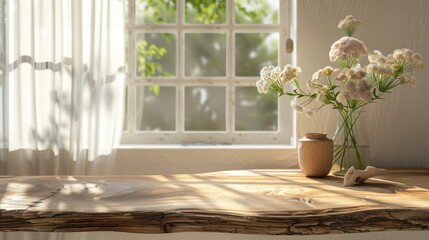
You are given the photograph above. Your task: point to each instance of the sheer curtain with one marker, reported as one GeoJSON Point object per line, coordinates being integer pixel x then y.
{"type": "Point", "coordinates": [2, 65]}
{"type": "Point", "coordinates": [63, 86]}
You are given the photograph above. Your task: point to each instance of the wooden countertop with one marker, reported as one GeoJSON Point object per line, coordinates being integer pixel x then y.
{"type": "Point", "coordinates": [249, 201]}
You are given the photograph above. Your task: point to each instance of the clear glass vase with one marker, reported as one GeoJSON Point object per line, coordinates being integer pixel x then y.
{"type": "Point", "coordinates": [348, 150]}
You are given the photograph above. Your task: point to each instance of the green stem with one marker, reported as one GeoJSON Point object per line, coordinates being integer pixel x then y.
{"type": "Point", "coordinates": [349, 116]}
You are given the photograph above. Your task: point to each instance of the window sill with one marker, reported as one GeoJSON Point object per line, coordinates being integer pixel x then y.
{"type": "Point", "coordinates": [207, 146]}
{"type": "Point", "coordinates": [176, 158]}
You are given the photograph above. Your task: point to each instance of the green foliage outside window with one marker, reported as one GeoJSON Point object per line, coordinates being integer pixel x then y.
{"type": "Point", "coordinates": [252, 52]}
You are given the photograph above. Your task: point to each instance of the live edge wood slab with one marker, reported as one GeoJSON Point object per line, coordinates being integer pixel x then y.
{"type": "Point", "coordinates": [271, 202]}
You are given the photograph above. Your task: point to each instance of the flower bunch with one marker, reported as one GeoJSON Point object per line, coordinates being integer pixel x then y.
{"type": "Point", "coordinates": [274, 78]}
{"type": "Point", "coordinates": [347, 48]}
{"type": "Point", "coordinates": [397, 65]}
{"type": "Point", "coordinates": [349, 24]}
{"type": "Point", "coordinates": [348, 86]}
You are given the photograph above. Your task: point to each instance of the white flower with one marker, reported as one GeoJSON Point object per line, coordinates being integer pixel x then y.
{"type": "Point", "coordinates": [360, 91]}
{"type": "Point", "coordinates": [289, 73]}
{"type": "Point", "coordinates": [275, 75]}
{"type": "Point", "coordinates": [342, 76]}
{"type": "Point", "coordinates": [386, 70]}
{"type": "Point", "coordinates": [318, 85]}
{"type": "Point", "coordinates": [262, 86]}
{"type": "Point", "coordinates": [349, 21]}
{"type": "Point", "coordinates": [379, 69]}
{"type": "Point", "coordinates": [265, 72]}
{"type": "Point", "coordinates": [321, 92]}
{"type": "Point", "coordinates": [316, 75]}
{"type": "Point", "coordinates": [417, 59]}
{"type": "Point", "coordinates": [408, 56]}
{"type": "Point", "coordinates": [372, 68]}
{"type": "Point", "coordinates": [375, 56]}
{"type": "Point", "coordinates": [398, 55]}
{"type": "Point", "coordinates": [407, 78]}
{"type": "Point", "coordinates": [328, 71]}
{"type": "Point", "coordinates": [296, 106]}
{"type": "Point", "coordinates": [347, 47]}
{"type": "Point", "coordinates": [266, 79]}
{"type": "Point", "coordinates": [364, 91]}
{"type": "Point", "coordinates": [380, 64]}
{"type": "Point", "coordinates": [351, 86]}
{"type": "Point", "coordinates": [312, 84]}
{"type": "Point", "coordinates": [323, 89]}
{"type": "Point", "coordinates": [403, 54]}
{"type": "Point", "coordinates": [356, 72]}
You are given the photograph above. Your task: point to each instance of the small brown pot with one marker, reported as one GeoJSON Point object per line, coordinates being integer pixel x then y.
{"type": "Point", "coordinates": [315, 154]}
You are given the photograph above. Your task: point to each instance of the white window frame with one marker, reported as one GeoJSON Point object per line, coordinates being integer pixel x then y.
{"type": "Point", "coordinates": [282, 136]}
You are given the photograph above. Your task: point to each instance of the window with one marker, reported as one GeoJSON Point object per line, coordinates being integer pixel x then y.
{"type": "Point", "coordinates": [192, 68]}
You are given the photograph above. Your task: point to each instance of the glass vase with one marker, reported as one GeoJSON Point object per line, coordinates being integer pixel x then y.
{"type": "Point", "coordinates": [348, 150]}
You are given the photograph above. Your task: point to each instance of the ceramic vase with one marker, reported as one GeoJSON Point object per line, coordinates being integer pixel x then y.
{"type": "Point", "coordinates": [315, 154]}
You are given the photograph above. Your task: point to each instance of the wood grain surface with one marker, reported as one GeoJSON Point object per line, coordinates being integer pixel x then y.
{"type": "Point", "coordinates": [272, 202]}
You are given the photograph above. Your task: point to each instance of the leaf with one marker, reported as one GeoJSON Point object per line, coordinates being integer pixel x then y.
{"type": "Point", "coordinates": [155, 89]}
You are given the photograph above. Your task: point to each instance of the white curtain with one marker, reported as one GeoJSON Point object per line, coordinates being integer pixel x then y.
{"type": "Point", "coordinates": [2, 65]}
{"type": "Point", "coordinates": [63, 89]}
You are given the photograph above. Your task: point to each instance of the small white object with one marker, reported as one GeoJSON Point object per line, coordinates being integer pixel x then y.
{"type": "Point", "coordinates": [354, 176]}
{"type": "Point", "coordinates": [289, 45]}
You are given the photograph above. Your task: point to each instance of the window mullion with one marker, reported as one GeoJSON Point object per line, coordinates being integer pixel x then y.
{"type": "Point", "coordinates": [180, 68]}
{"type": "Point", "coordinates": [230, 102]}
{"type": "Point", "coordinates": [203, 27]}
{"type": "Point", "coordinates": [283, 36]}
{"type": "Point", "coordinates": [284, 18]}
{"type": "Point", "coordinates": [132, 105]}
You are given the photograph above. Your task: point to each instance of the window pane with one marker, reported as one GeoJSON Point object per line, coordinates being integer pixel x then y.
{"type": "Point", "coordinates": [254, 111]}
{"type": "Point", "coordinates": [253, 51]}
{"type": "Point", "coordinates": [156, 54]}
{"type": "Point", "coordinates": [257, 11]}
{"type": "Point", "coordinates": [156, 108]}
{"type": "Point", "coordinates": [205, 54]}
{"type": "Point", "coordinates": [205, 12]}
{"type": "Point", "coordinates": [153, 12]}
{"type": "Point", "coordinates": [205, 108]}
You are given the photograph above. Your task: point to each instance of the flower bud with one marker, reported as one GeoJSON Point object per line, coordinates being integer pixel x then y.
{"type": "Point", "coordinates": [309, 112]}
{"type": "Point", "coordinates": [298, 108]}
